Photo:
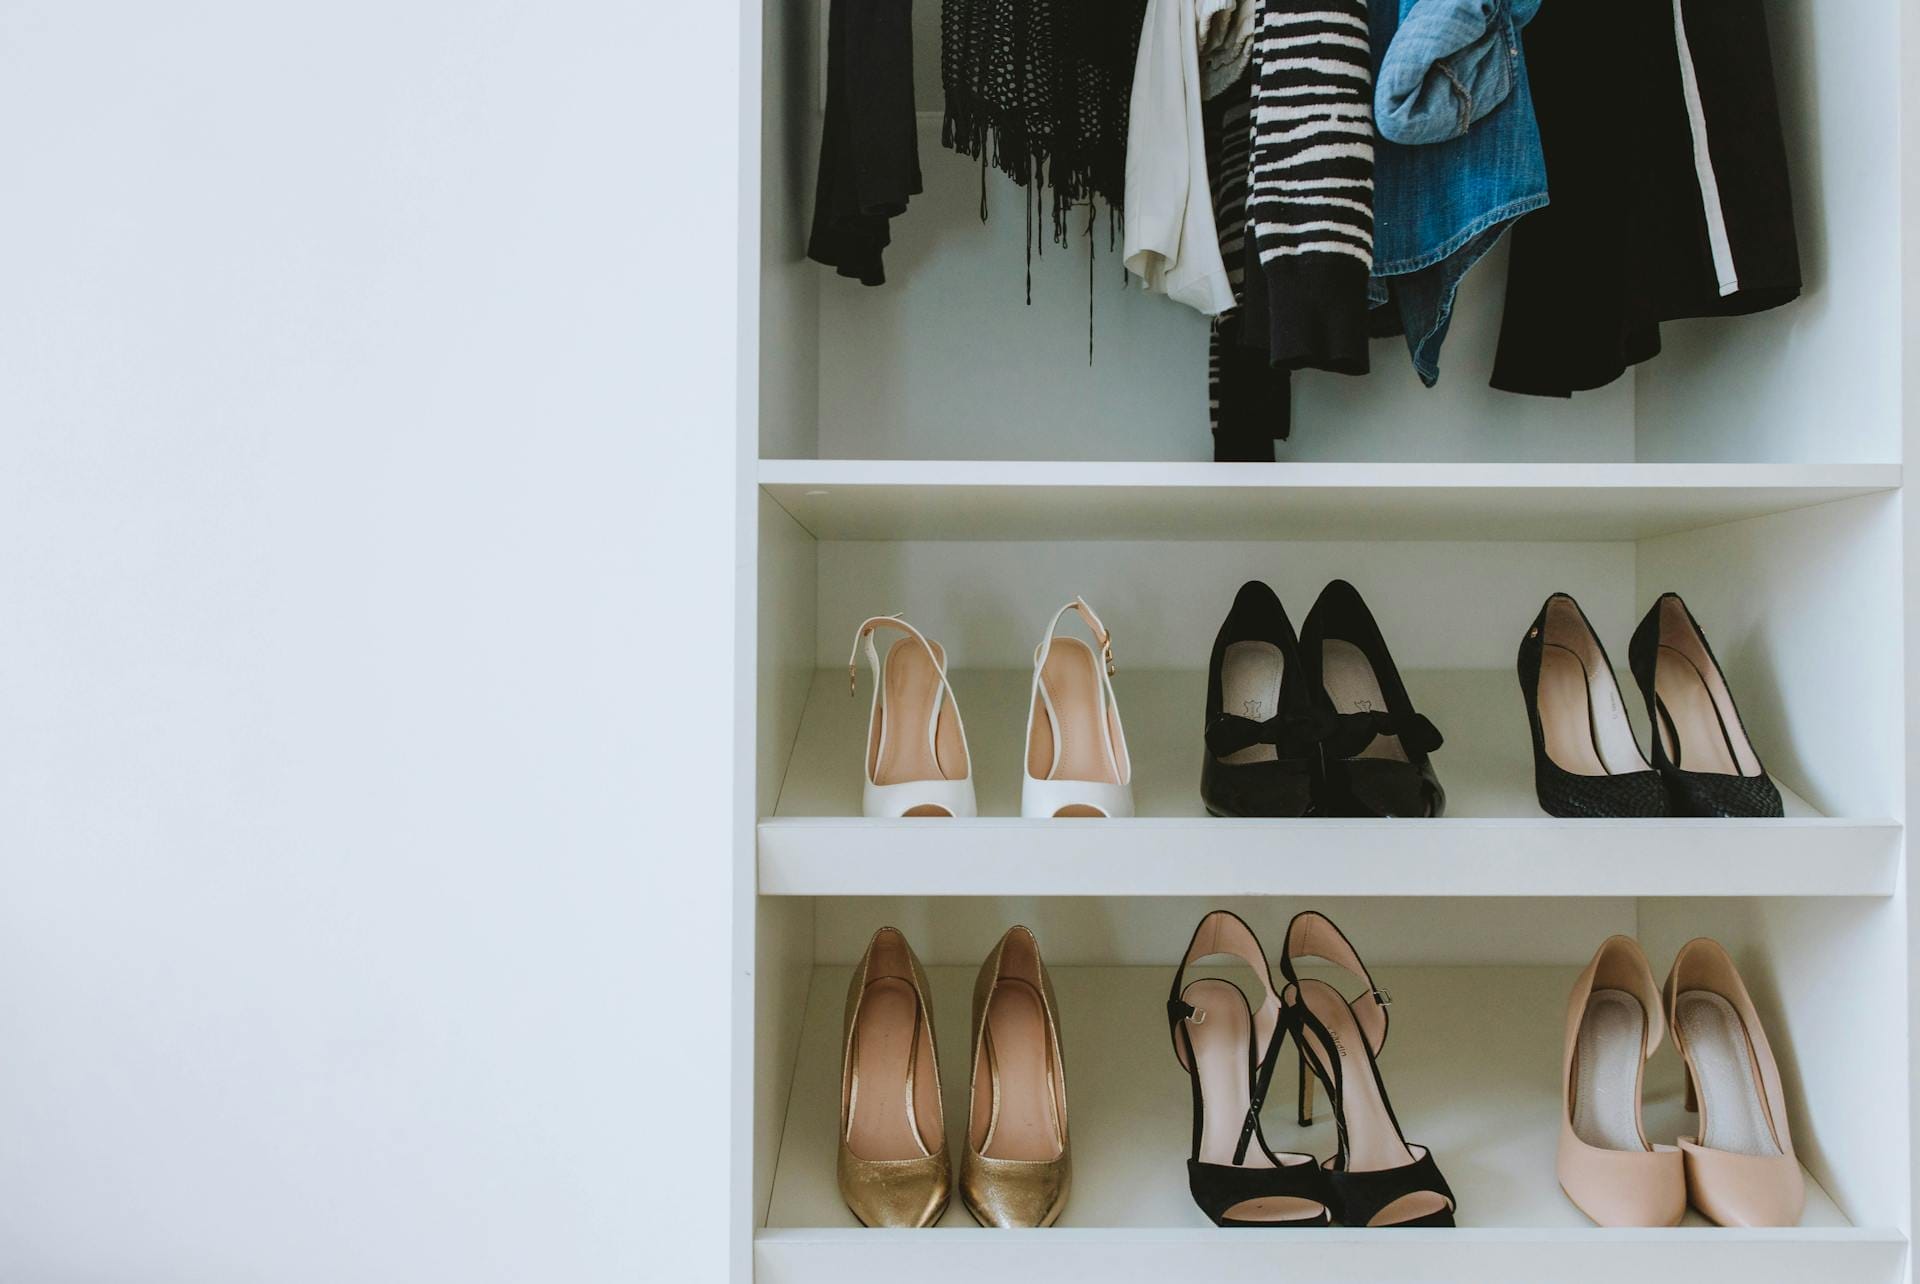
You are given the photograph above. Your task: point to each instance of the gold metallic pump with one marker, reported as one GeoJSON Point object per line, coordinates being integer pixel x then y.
{"type": "Point", "coordinates": [894, 1169]}
{"type": "Point", "coordinates": [1017, 1166]}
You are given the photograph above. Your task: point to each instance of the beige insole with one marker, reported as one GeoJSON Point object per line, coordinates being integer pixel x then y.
{"type": "Point", "coordinates": [1607, 1055]}
{"type": "Point", "coordinates": [1071, 740]}
{"type": "Point", "coordinates": [1733, 1115]}
{"type": "Point", "coordinates": [1585, 728]}
{"type": "Point", "coordinates": [1373, 1142]}
{"type": "Point", "coordinates": [1250, 674]}
{"type": "Point", "coordinates": [1024, 1123]}
{"type": "Point", "coordinates": [1703, 729]}
{"type": "Point", "coordinates": [1220, 1050]}
{"type": "Point", "coordinates": [880, 1113]}
{"type": "Point", "coordinates": [903, 750]}
{"type": "Point", "coordinates": [1353, 687]}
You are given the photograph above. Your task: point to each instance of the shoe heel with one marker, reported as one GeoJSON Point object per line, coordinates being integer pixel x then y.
{"type": "Point", "coordinates": [1303, 1115]}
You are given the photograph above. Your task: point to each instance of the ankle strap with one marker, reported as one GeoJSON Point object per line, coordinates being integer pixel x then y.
{"type": "Point", "coordinates": [1224, 933]}
{"type": "Point", "coordinates": [864, 636]}
{"type": "Point", "coordinates": [1102, 638]}
{"type": "Point", "coordinates": [1312, 934]}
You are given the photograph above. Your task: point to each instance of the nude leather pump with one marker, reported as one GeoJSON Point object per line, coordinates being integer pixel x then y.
{"type": "Point", "coordinates": [917, 759]}
{"type": "Point", "coordinates": [1077, 763]}
{"type": "Point", "coordinates": [1606, 1165]}
{"type": "Point", "coordinates": [1741, 1169]}
{"type": "Point", "coordinates": [1017, 1166]}
{"type": "Point", "coordinates": [893, 1164]}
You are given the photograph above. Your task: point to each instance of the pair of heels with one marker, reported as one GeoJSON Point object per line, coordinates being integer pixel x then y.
{"type": "Point", "coordinates": [1586, 761]}
{"type": "Point", "coordinates": [1740, 1168]}
{"type": "Point", "coordinates": [1230, 1050]}
{"type": "Point", "coordinates": [918, 763]}
{"type": "Point", "coordinates": [1016, 1167]}
{"type": "Point", "coordinates": [1318, 724]}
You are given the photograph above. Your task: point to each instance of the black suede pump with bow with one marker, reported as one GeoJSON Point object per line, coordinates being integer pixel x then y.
{"type": "Point", "coordinates": [1376, 757]}
{"type": "Point", "coordinates": [1265, 720]}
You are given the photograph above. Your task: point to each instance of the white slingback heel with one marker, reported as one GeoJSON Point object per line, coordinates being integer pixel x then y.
{"type": "Point", "coordinates": [1077, 762]}
{"type": "Point", "coordinates": [917, 759]}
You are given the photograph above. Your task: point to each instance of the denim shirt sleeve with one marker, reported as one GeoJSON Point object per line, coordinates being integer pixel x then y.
{"type": "Point", "coordinates": [1450, 63]}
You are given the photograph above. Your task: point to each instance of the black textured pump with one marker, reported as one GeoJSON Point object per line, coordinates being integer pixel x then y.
{"type": "Point", "coordinates": [1265, 720]}
{"type": "Point", "coordinates": [1585, 759]}
{"type": "Point", "coordinates": [1378, 1178]}
{"type": "Point", "coordinates": [1700, 748]}
{"type": "Point", "coordinates": [1376, 761]}
{"type": "Point", "coordinates": [1229, 1050]}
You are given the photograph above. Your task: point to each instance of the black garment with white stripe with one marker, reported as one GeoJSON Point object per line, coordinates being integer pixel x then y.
{"type": "Point", "coordinates": [1311, 197]}
{"type": "Point", "coordinates": [1248, 400]}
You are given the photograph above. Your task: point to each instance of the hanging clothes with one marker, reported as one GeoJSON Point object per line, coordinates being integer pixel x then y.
{"type": "Point", "coordinates": [1248, 399]}
{"type": "Point", "coordinates": [1310, 198]}
{"type": "Point", "coordinates": [1172, 243]}
{"type": "Point", "coordinates": [1039, 89]}
{"type": "Point", "coordinates": [869, 145]}
{"type": "Point", "coordinates": [1675, 203]}
{"type": "Point", "coordinates": [1452, 76]}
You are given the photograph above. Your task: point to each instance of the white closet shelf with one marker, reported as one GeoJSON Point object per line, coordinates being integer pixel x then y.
{"type": "Point", "coordinates": [1494, 840]}
{"type": "Point", "coordinates": [866, 499]}
{"type": "Point", "coordinates": [1472, 1063]}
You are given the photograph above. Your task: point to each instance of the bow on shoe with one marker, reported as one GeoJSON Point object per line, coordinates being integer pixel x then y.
{"type": "Point", "coordinates": [1357, 730]}
{"type": "Point", "coordinates": [1293, 735]}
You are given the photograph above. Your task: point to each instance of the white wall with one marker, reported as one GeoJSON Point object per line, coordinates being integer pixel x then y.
{"type": "Point", "coordinates": [366, 428]}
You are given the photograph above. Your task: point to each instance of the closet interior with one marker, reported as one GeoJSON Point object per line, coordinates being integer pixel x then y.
{"type": "Point", "coordinates": [942, 449]}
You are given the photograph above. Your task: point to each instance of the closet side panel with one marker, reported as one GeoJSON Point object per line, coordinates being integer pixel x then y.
{"type": "Point", "coordinates": [1819, 378]}
{"type": "Point", "coordinates": [789, 137]}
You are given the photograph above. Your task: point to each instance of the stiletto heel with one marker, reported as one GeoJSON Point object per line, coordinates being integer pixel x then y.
{"type": "Point", "coordinates": [1741, 1169]}
{"type": "Point", "coordinates": [1605, 1165]}
{"type": "Point", "coordinates": [1700, 748]}
{"type": "Point", "coordinates": [917, 760]}
{"type": "Point", "coordinates": [1377, 1178]}
{"type": "Point", "coordinates": [893, 1164]}
{"type": "Point", "coordinates": [1304, 1114]}
{"type": "Point", "coordinates": [1229, 1051]}
{"type": "Point", "coordinates": [1585, 759]}
{"type": "Point", "coordinates": [1077, 762]}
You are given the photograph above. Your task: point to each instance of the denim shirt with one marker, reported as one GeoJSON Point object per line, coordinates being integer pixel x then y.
{"type": "Point", "coordinates": [1451, 72]}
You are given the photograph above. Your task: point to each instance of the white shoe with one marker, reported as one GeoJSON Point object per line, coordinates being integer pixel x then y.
{"type": "Point", "coordinates": [1077, 762]}
{"type": "Point", "coordinates": [917, 759]}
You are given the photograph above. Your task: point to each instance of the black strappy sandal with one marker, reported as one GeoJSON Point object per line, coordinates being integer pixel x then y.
{"type": "Point", "coordinates": [1377, 1178]}
{"type": "Point", "coordinates": [1229, 1050]}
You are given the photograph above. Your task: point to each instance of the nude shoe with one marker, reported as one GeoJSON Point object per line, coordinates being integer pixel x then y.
{"type": "Point", "coordinates": [893, 1164]}
{"type": "Point", "coordinates": [1606, 1165]}
{"type": "Point", "coordinates": [1741, 1169]}
{"type": "Point", "coordinates": [1017, 1166]}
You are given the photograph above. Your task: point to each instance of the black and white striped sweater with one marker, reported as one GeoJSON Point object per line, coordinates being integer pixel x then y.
{"type": "Point", "coordinates": [1310, 199]}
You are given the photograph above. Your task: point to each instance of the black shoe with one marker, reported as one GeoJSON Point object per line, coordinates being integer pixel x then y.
{"type": "Point", "coordinates": [1376, 760]}
{"type": "Point", "coordinates": [1378, 1178]}
{"type": "Point", "coordinates": [1694, 720]}
{"type": "Point", "coordinates": [1585, 759]}
{"type": "Point", "coordinates": [1265, 720]}
{"type": "Point", "coordinates": [1230, 1051]}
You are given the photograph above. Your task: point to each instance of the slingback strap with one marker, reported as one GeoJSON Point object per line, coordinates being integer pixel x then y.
{"type": "Point", "coordinates": [1092, 621]}
{"type": "Point", "coordinates": [1359, 1197]}
{"type": "Point", "coordinates": [864, 636]}
{"type": "Point", "coordinates": [1225, 933]}
{"type": "Point", "coordinates": [1216, 1188]}
{"type": "Point", "coordinates": [1312, 934]}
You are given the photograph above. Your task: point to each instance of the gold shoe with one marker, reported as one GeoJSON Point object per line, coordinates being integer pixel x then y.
{"type": "Point", "coordinates": [1017, 1167]}
{"type": "Point", "coordinates": [893, 1164]}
